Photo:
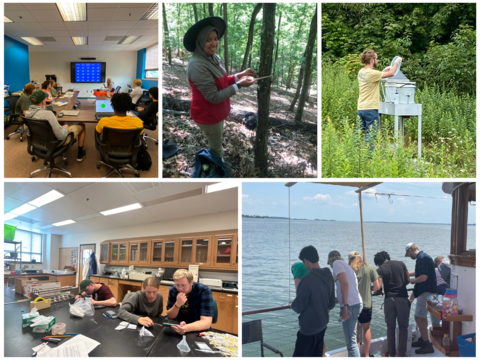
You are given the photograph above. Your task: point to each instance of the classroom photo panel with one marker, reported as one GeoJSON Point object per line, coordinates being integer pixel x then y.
{"type": "Point", "coordinates": [81, 90]}
{"type": "Point", "coordinates": [121, 269]}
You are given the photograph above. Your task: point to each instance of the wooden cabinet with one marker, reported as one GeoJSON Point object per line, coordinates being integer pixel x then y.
{"type": "Point", "coordinates": [95, 279]}
{"type": "Point", "coordinates": [222, 253]}
{"type": "Point", "coordinates": [226, 309]}
{"type": "Point", "coordinates": [139, 252]}
{"type": "Point", "coordinates": [164, 252]}
{"type": "Point", "coordinates": [235, 316]}
{"type": "Point", "coordinates": [113, 285]}
{"type": "Point", "coordinates": [105, 253]}
{"type": "Point", "coordinates": [118, 253]}
{"type": "Point", "coordinates": [114, 253]}
{"type": "Point", "coordinates": [234, 258]}
{"type": "Point", "coordinates": [68, 280]}
{"type": "Point", "coordinates": [195, 251]}
{"type": "Point", "coordinates": [164, 289]}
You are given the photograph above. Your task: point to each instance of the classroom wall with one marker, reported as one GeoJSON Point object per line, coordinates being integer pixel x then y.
{"type": "Point", "coordinates": [16, 64]}
{"type": "Point", "coordinates": [146, 84]}
{"type": "Point", "coordinates": [121, 67]}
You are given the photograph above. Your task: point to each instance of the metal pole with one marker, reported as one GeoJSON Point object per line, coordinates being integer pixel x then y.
{"type": "Point", "coordinates": [288, 274]}
{"type": "Point", "coordinates": [361, 223]}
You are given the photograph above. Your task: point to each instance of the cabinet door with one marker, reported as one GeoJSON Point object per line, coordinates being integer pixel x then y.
{"type": "Point", "coordinates": [104, 253]}
{"type": "Point", "coordinates": [164, 252]}
{"type": "Point", "coordinates": [122, 253]}
{"type": "Point", "coordinates": [225, 305]}
{"type": "Point", "coordinates": [144, 252]}
{"type": "Point", "coordinates": [170, 254]}
{"type": "Point", "coordinates": [94, 279]}
{"type": "Point", "coordinates": [234, 258]}
{"type": "Point", "coordinates": [133, 252]}
{"type": "Point", "coordinates": [158, 248]}
{"type": "Point", "coordinates": [114, 253]}
{"type": "Point", "coordinates": [235, 317]}
{"type": "Point", "coordinates": [186, 251]}
{"type": "Point", "coordinates": [222, 251]}
{"type": "Point", "coordinates": [202, 250]}
{"type": "Point", "coordinates": [164, 291]}
{"type": "Point", "coordinates": [113, 285]}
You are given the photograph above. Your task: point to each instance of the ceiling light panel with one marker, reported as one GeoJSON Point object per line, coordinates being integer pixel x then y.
{"type": "Point", "coordinates": [80, 40]}
{"type": "Point", "coordinates": [6, 19]}
{"type": "Point", "coordinates": [9, 216]}
{"type": "Point", "coordinates": [23, 209]}
{"type": "Point", "coordinates": [62, 223]}
{"type": "Point", "coordinates": [46, 198]}
{"type": "Point", "coordinates": [121, 209]}
{"type": "Point", "coordinates": [129, 39]}
{"type": "Point", "coordinates": [220, 187]}
{"type": "Point", "coordinates": [151, 14]}
{"type": "Point", "coordinates": [33, 41]}
{"type": "Point", "coordinates": [73, 11]}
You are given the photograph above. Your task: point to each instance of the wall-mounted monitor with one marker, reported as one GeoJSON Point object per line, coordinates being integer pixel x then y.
{"type": "Point", "coordinates": [87, 72]}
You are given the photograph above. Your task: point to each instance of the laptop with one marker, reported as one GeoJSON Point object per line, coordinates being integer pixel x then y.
{"type": "Point", "coordinates": [71, 112]}
{"type": "Point", "coordinates": [103, 108]}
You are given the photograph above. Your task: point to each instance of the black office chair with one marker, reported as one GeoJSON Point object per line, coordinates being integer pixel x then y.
{"type": "Point", "coordinates": [145, 98]}
{"type": "Point", "coordinates": [252, 332]}
{"type": "Point", "coordinates": [118, 147]}
{"type": "Point", "coordinates": [43, 144]}
{"type": "Point", "coordinates": [117, 90]}
{"type": "Point", "coordinates": [150, 124]}
{"type": "Point", "coordinates": [15, 119]}
{"type": "Point", "coordinates": [130, 89]}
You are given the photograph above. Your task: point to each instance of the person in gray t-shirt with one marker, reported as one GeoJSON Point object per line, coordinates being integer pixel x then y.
{"type": "Point", "coordinates": [143, 304]}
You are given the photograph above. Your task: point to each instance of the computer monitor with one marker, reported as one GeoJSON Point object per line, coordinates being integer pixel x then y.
{"type": "Point", "coordinates": [103, 106]}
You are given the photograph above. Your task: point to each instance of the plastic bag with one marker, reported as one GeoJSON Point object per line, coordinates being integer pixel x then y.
{"type": "Point", "coordinates": [81, 308]}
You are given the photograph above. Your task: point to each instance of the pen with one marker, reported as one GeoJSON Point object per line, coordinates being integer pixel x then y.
{"type": "Point", "coordinates": [105, 316]}
{"type": "Point", "coordinates": [72, 334]}
{"type": "Point", "coordinates": [55, 336]}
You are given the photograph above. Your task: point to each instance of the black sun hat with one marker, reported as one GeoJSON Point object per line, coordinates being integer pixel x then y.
{"type": "Point", "coordinates": [190, 38]}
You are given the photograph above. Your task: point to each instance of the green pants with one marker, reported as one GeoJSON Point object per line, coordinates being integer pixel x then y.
{"type": "Point", "coordinates": [214, 134]}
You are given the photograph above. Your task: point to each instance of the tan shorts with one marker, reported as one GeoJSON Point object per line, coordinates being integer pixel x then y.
{"type": "Point", "coordinates": [76, 129]}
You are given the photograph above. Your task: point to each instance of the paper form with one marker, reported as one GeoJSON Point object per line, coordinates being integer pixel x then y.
{"type": "Point", "coordinates": [77, 349]}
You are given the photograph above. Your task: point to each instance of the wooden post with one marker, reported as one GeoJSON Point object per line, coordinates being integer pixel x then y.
{"type": "Point", "coordinates": [361, 223]}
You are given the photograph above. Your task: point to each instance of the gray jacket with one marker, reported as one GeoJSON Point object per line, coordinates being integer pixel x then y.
{"type": "Point", "coordinates": [38, 113]}
{"type": "Point", "coordinates": [137, 306]}
{"type": "Point", "coordinates": [202, 72]}
{"type": "Point", "coordinates": [315, 297]}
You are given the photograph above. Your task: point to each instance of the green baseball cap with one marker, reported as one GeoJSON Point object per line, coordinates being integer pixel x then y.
{"type": "Point", "coordinates": [84, 284]}
{"type": "Point", "coordinates": [39, 96]}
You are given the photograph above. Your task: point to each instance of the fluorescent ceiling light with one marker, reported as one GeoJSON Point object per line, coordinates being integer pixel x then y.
{"type": "Point", "coordinates": [220, 187]}
{"type": "Point", "coordinates": [33, 40]}
{"type": "Point", "coordinates": [73, 11]}
{"type": "Point", "coordinates": [151, 14]}
{"type": "Point", "coordinates": [121, 209]}
{"type": "Point", "coordinates": [9, 216]}
{"type": "Point", "coordinates": [129, 39]}
{"type": "Point", "coordinates": [23, 209]}
{"type": "Point", "coordinates": [66, 222]}
{"type": "Point", "coordinates": [5, 19]}
{"type": "Point", "coordinates": [46, 198]}
{"type": "Point", "coordinates": [80, 40]}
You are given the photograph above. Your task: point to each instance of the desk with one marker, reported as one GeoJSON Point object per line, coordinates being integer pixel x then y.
{"type": "Point", "coordinates": [19, 341]}
{"type": "Point", "coordinates": [69, 106]}
{"type": "Point", "coordinates": [9, 295]}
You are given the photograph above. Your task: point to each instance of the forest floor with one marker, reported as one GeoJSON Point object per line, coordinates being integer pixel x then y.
{"type": "Point", "coordinates": [291, 152]}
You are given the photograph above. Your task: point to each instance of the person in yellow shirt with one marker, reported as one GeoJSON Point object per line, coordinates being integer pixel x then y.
{"type": "Point", "coordinates": [121, 104]}
{"type": "Point", "coordinates": [369, 92]}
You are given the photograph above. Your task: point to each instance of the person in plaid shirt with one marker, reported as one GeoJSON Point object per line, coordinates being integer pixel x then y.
{"type": "Point", "coordinates": [425, 282]}
{"type": "Point", "coordinates": [190, 303]}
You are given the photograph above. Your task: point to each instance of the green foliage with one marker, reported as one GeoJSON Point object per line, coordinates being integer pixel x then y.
{"type": "Point", "coordinates": [448, 134]}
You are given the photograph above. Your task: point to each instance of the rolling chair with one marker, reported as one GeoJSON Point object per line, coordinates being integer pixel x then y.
{"type": "Point", "coordinates": [149, 125]}
{"type": "Point", "coordinates": [252, 332]}
{"type": "Point", "coordinates": [43, 144]}
{"type": "Point", "coordinates": [130, 89]}
{"type": "Point", "coordinates": [118, 148]}
{"type": "Point", "coordinates": [117, 90]}
{"type": "Point", "coordinates": [15, 119]}
{"type": "Point", "coordinates": [215, 311]}
{"type": "Point", "coordinates": [145, 98]}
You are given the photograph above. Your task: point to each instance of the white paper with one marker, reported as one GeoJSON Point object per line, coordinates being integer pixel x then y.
{"type": "Point", "coordinates": [120, 327]}
{"type": "Point", "coordinates": [41, 349]}
{"type": "Point", "coordinates": [61, 103]}
{"type": "Point", "coordinates": [124, 323]}
{"type": "Point", "coordinates": [33, 311]}
{"type": "Point", "coordinates": [202, 345]}
{"type": "Point", "coordinates": [90, 344]}
{"type": "Point", "coordinates": [77, 349]}
{"type": "Point", "coordinates": [132, 326]}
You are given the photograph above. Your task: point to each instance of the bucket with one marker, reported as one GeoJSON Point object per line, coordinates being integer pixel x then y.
{"type": "Point", "coordinates": [406, 92]}
{"type": "Point", "coordinates": [466, 348]}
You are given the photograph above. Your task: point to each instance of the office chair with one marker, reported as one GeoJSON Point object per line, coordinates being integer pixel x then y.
{"type": "Point", "coordinates": [15, 119]}
{"type": "Point", "coordinates": [145, 98]}
{"type": "Point", "coordinates": [215, 311]}
{"type": "Point", "coordinates": [149, 125]}
{"type": "Point", "coordinates": [252, 332]}
{"type": "Point", "coordinates": [130, 89]}
{"type": "Point", "coordinates": [43, 144]}
{"type": "Point", "coordinates": [117, 90]}
{"type": "Point", "coordinates": [118, 147]}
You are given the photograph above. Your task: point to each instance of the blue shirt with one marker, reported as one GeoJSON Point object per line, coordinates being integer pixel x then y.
{"type": "Point", "coordinates": [425, 266]}
{"type": "Point", "coordinates": [199, 303]}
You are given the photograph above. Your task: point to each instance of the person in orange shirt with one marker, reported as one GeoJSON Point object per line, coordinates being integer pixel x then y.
{"type": "Point", "coordinates": [121, 104]}
{"type": "Point", "coordinates": [46, 85]}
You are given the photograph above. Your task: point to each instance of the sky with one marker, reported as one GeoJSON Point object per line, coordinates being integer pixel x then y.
{"type": "Point", "coordinates": [340, 203]}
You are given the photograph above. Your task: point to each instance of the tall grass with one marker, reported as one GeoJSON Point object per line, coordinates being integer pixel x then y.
{"type": "Point", "coordinates": [448, 134]}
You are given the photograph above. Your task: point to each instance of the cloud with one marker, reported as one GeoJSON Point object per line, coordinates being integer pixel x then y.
{"type": "Point", "coordinates": [369, 192]}
{"type": "Point", "coordinates": [355, 204]}
{"type": "Point", "coordinates": [248, 200]}
{"type": "Point", "coordinates": [420, 203]}
{"type": "Point", "coordinates": [322, 199]}
{"type": "Point", "coordinates": [245, 196]}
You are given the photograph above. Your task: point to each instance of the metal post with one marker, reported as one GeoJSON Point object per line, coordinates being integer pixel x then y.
{"type": "Point", "coordinates": [419, 136]}
{"type": "Point", "coordinates": [361, 223]}
{"type": "Point", "coordinates": [395, 129]}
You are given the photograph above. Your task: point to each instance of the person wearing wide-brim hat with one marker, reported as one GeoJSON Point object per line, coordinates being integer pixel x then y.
{"type": "Point", "coordinates": [211, 86]}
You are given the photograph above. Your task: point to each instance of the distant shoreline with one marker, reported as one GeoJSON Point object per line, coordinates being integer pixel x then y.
{"type": "Point", "coordinates": [383, 222]}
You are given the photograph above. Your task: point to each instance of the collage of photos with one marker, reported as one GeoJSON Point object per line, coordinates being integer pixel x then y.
{"type": "Point", "coordinates": [308, 199]}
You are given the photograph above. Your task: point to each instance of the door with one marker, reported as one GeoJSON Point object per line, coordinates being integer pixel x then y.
{"type": "Point", "coordinates": [225, 305]}
{"type": "Point", "coordinates": [85, 252]}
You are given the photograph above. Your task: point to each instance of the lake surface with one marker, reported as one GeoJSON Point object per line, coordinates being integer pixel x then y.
{"type": "Point", "coordinates": [267, 256]}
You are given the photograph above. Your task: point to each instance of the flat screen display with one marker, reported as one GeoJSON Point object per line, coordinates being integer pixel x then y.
{"type": "Point", "coordinates": [87, 72]}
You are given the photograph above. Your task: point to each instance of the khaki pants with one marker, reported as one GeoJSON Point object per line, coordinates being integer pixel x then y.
{"type": "Point", "coordinates": [214, 134]}
{"type": "Point", "coordinates": [76, 129]}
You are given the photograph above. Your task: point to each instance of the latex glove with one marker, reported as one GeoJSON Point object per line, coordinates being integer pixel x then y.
{"type": "Point", "coordinates": [246, 81]}
{"type": "Point", "coordinates": [399, 60]}
{"type": "Point", "coordinates": [387, 69]}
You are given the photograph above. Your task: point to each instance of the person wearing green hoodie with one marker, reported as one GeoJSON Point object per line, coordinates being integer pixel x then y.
{"type": "Point", "coordinates": [315, 297]}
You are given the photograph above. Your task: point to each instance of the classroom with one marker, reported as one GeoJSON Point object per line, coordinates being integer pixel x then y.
{"type": "Point", "coordinates": [112, 268]}
{"type": "Point", "coordinates": [97, 65]}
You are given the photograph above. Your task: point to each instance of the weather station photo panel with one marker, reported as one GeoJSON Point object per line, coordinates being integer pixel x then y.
{"type": "Point", "coordinates": [81, 90]}
{"type": "Point", "coordinates": [350, 269]}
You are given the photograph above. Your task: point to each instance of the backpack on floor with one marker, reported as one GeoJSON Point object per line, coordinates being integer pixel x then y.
{"type": "Point", "coordinates": [144, 160]}
{"type": "Point", "coordinates": [209, 165]}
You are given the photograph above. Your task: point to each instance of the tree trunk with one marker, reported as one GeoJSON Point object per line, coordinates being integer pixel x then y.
{"type": "Point", "coordinates": [210, 9]}
{"type": "Point", "coordinates": [225, 37]}
{"type": "Point", "coordinates": [276, 49]}
{"type": "Point", "coordinates": [195, 12]}
{"type": "Point", "coordinates": [255, 12]}
{"type": "Point", "coordinates": [299, 85]}
{"type": "Point", "coordinates": [178, 28]}
{"type": "Point", "coordinates": [308, 66]}
{"type": "Point", "coordinates": [264, 87]}
{"type": "Point", "coordinates": [204, 11]}
{"type": "Point", "coordinates": [250, 61]}
{"type": "Point", "coordinates": [290, 75]}
{"type": "Point", "coordinates": [309, 87]}
{"type": "Point", "coordinates": [165, 35]}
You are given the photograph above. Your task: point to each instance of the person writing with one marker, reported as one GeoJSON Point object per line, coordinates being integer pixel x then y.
{"type": "Point", "coordinates": [101, 293]}
{"type": "Point", "coordinates": [149, 114]}
{"type": "Point", "coordinates": [369, 92]}
{"type": "Point", "coordinates": [211, 86]}
{"type": "Point", "coordinates": [190, 303]}
{"type": "Point", "coordinates": [144, 304]}
{"type": "Point", "coordinates": [23, 103]}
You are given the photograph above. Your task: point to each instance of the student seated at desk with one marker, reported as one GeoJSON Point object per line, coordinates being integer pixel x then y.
{"type": "Point", "coordinates": [23, 103]}
{"type": "Point", "coordinates": [101, 293]}
{"type": "Point", "coordinates": [110, 84]}
{"type": "Point", "coordinates": [137, 91]}
{"type": "Point", "coordinates": [189, 302]}
{"type": "Point", "coordinates": [37, 111]}
{"type": "Point", "coordinates": [54, 91]}
{"type": "Point", "coordinates": [146, 115]}
{"type": "Point", "coordinates": [46, 86]}
{"type": "Point", "coordinates": [121, 103]}
{"type": "Point", "coordinates": [143, 304]}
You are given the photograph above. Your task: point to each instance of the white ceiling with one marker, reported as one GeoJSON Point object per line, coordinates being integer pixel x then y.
{"type": "Point", "coordinates": [111, 19]}
{"type": "Point", "coordinates": [84, 201]}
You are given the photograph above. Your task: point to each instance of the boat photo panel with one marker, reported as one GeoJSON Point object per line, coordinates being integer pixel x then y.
{"type": "Point", "coordinates": [358, 269]}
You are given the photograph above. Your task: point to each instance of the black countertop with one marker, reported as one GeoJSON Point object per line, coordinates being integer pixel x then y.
{"type": "Point", "coordinates": [19, 341]}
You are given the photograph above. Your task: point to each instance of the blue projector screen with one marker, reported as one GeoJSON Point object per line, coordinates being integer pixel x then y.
{"type": "Point", "coordinates": [91, 72]}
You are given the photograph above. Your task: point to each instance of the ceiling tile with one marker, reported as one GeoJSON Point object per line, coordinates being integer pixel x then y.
{"type": "Point", "coordinates": [106, 15]}
{"type": "Point", "coordinates": [10, 187]}
{"type": "Point", "coordinates": [58, 33]}
{"type": "Point", "coordinates": [135, 217]}
{"type": "Point", "coordinates": [62, 39]}
{"type": "Point", "coordinates": [10, 203]}
{"type": "Point", "coordinates": [97, 32]}
{"type": "Point", "coordinates": [95, 39]}
{"type": "Point", "coordinates": [69, 208]}
{"type": "Point", "coordinates": [47, 15]}
{"type": "Point", "coordinates": [117, 32]}
{"type": "Point", "coordinates": [78, 33]}
{"type": "Point", "coordinates": [15, 16]}
{"type": "Point", "coordinates": [97, 25]}
{"type": "Point", "coordinates": [44, 216]}
{"type": "Point", "coordinates": [33, 26]}
{"type": "Point", "coordinates": [13, 27]}
{"type": "Point", "coordinates": [102, 5]}
{"type": "Point", "coordinates": [104, 196]}
{"type": "Point", "coordinates": [40, 6]}
{"type": "Point", "coordinates": [94, 47]}
{"type": "Point", "coordinates": [131, 13]}
{"type": "Point", "coordinates": [143, 5]}
{"type": "Point", "coordinates": [100, 223]}
{"type": "Point", "coordinates": [13, 6]}
{"type": "Point", "coordinates": [122, 25]}
{"type": "Point", "coordinates": [34, 190]}
{"type": "Point", "coordinates": [144, 24]}
{"type": "Point", "coordinates": [55, 26]}
{"type": "Point", "coordinates": [72, 228]}
{"type": "Point", "coordinates": [76, 25]}
{"type": "Point", "coordinates": [70, 187]}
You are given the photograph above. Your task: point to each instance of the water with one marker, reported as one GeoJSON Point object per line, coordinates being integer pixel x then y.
{"type": "Point", "coordinates": [267, 279]}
